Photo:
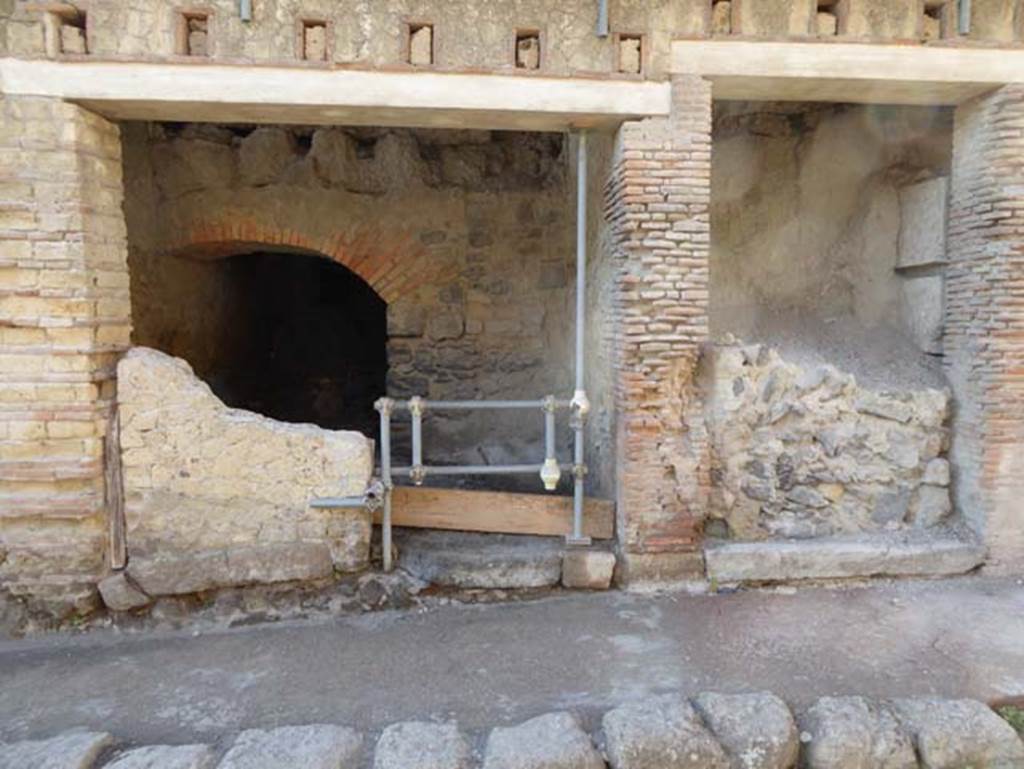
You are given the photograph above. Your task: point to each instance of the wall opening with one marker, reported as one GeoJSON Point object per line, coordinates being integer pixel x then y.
{"type": "Point", "coordinates": [292, 336]}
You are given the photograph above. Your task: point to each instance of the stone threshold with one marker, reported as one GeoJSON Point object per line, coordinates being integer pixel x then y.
{"type": "Point", "coordinates": [888, 555]}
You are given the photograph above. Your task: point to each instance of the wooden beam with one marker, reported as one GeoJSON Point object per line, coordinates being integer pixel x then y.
{"type": "Point", "coordinates": [190, 91]}
{"type": "Point", "coordinates": [847, 72]}
{"type": "Point", "coordinates": [497, 512]}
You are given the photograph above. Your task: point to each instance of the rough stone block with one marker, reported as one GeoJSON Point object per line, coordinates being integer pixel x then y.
{"type": "Point", "coordinates": [72, 39]}
{"type": "Point", "coordinates": [474, 561]}
{"type": "Point", "coordinates": [721, 17]}
{"type": "Point", "coordinates": [642, 570]}
{"type": "Point", "coordinates": [552, 741]}
{"type": "Point", "coordinates": [528, 52]}
{"type": "Point", "coordinates": [894, 19]}
{"type": "Point", "coordinates": [419, 745]}
{"type": "Point", "coordinates": [264, 154]}
{"type": "Point", "coordinates": [421, 46]}
{"type": "Point", "coordinates": [849, 732]}
{"type": "Point", "coordinates": [314, 42]}
{"type": "Point", "coordinates": [320, 746]}
{"type": "Point", "coordinates": [202, 479]}
{"type": "Point", "coordinates": [931, 507]}
{"type": "Point", "coordinates": [165, 757]}
{"type": "Point", "coordinates": [996, 20]}
{"type": "Point", "coordinates": [630, 61]}
{"type": "Point", "coordinates": [663, 732]}
{"type": "Point", "coordinates": [826, 24]}
{"type": "Point", "coordinates": [120, 593]}
{"type": "Point", "coordinates": [73, 750]}
{"type": "Point", "coordinates": [587, 569]}
{"type": "Point", "coordinates": [756, 730]}
{"type": "Point", "coordinates": [775, 18]}
{"type": "Point", "coordinates": [924, 310]}
{"type": "Point", "coordinates": [952, 734]}
{"type": "Point", "coordinates": [206, 570]}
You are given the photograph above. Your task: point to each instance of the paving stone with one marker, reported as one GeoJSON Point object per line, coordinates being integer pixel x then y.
{"type": "Point", "coordinates": [588, 569]}
{"type": "Point", "coordinates": [852, 733]}
{"type": "Point", "coordinates": [552, 741]}
{"type": "Point", "coordinates": [662, 732]}
{"type": "Point", "coordinates": [959, 734]}
{"type": "Point", "coordinates": [122, 594]}
{"type": "Point", "coordinates": [419, 745]}
{"type": "Point", "coordinates": [165, 757]}
{"type": "Point", "coordinates": [73, 750]}
{"type": "Point", "coordinates": [756, 730]}
{"type": "Point", "coordinates": [318, 746]}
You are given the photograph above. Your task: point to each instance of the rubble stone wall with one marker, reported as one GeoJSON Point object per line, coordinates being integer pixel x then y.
{"type": "Point", "coordinates": [370, 33]}
{"type": "Point", "coordinates": [207, 486]}
{"type": "Point", "coordinates": [803, 452]}
{"type": "Point", "coordinates": [64, 319]}
{"type": "Point", "coordinates": [468, 236]}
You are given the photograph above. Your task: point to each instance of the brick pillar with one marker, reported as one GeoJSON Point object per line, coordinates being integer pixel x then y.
{"type": "Point", "coordinates": [984, 334]}
{"type": "Point", "coordinates": [658, 200]}
{"type": "Point", "coordinates": [64, 318]}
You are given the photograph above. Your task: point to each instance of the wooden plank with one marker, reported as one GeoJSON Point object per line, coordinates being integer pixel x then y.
{"type": "Point", "coordinates": [497, 512]}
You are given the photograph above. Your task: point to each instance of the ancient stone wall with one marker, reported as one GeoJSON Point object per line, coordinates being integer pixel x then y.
{"type": "Point", "coordinates": [215, 496]}
{"type": "Point", "coordinates": [64, 319]}
{"type": "Point", "coordinates": [984, 343]}
{"type": "Point", "coordinates": [827, 240]}
{"type": "Point", "coordinates": [379, 34]}
{"type": "Point", "coordinates": [468, 236]}
{"type": "Point", "coordinates": [802, 452]}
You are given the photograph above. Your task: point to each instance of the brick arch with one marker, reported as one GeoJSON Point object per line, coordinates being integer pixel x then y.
{"type": "Point", "coordinates": [394, 263]}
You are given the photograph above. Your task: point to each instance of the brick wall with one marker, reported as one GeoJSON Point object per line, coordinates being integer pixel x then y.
{"type": "Point", "coordinates": [984, 338]}
{"type": "Point", "coordinates": [658, 200]}
{"type": "Point", "coordinates": [63, 320]}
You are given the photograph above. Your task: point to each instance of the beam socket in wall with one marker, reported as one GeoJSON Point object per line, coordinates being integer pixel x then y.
{"type": "Point", "coordinates": [193, 33]}
{"type": "Point", "coordinates": [826, 20]}
{"type": "Point", "coordinates": [629, 53]}
{"type": "Point", "coordinates": [939, 20]}
{"type": "Point", "coordinates": [721, 16]}
{"type": "Point", "coordinates": [527, 49]}
{"type": "Point", "coordinates": [64, 31]}
{"type": "Point", "coordinates": [419, 49]}
{"type": "Point", "coordinates": [314, 40]}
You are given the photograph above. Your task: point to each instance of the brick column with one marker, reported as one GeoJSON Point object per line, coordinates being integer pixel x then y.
{"type": "Point", "coordinates": [984, 334]}
{"type": "Point", "coordinates": [657, 203]}
{"type": "Point", "coordinates": [64, 318]}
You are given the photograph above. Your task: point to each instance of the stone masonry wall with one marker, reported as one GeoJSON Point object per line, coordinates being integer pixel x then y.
{"type": "Point", "coordinates": [372, 33]}
{"type": "Point", "coordinates": [657, 203]}
{"type": "Point", "coordinates": [64, 318]}
{"type": "Point", "coordinates": [802, 452]}
{"type": "Point", "coordinates": [217, 496]}
{"type": "Point", "coordinates": [984, 342]}
{"type": "Point", "coordinates": [466, 235]}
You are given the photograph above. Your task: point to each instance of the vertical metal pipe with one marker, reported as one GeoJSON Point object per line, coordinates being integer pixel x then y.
{"type": "Point", "coordinates": [964, 24]}
{"type": "Point", "coordinates": [602, 18]}
{"type": "Point", "coordinates": [384, 406]}
{"type": "Point", "coordinates": [580, 404]}
{"type": "Point", "coordinates": [245, 10]}
{"type": "Point", "coordinates": [416, 411]}
{"type": "Point", "coordinates": [549, 434]}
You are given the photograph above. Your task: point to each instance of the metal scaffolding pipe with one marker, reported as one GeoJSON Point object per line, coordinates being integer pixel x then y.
{"type": "Point", "coordinates": [580, 404]}
{"type": "Point", "coordinates": [245, 10]}
{"type": "Point", "coordinates": [602, 18]}
{"type": "Point", "coordinates": [416, 410]}
{"type": "Point", "coordinates": [472, 405]}
{"type": "Point", "coordinates": [384, 405]}
{"type": "Point", "coordinates": [428, 470]}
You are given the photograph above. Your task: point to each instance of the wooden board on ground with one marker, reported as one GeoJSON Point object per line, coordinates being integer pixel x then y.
{"type": "Point", "coordinates": [497, 512]}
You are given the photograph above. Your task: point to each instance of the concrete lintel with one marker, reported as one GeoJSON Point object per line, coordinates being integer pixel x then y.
{"type": "Point", "coordinates": [226, 93]}
{"type": "Point", "coordinates": [878, 555]}
{"type": "Point", "coordinates": [847, 72]}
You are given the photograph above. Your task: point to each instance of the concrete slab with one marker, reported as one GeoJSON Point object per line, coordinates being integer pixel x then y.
{"type": "Point", "coordinates": [491, 665]}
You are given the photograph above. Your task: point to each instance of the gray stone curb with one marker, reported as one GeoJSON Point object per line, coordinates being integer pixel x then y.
{"type": "Point", "coordinates": [711, 731]}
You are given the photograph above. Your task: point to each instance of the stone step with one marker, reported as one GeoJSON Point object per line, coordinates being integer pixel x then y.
{"type": "Point", "coordinates": [484, 561]}
{"type": "Point", "coordinates": [915, 554]}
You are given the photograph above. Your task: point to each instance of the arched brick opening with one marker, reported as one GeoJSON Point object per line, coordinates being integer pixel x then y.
{"type": "Point", "coordinates": [392, 261]}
